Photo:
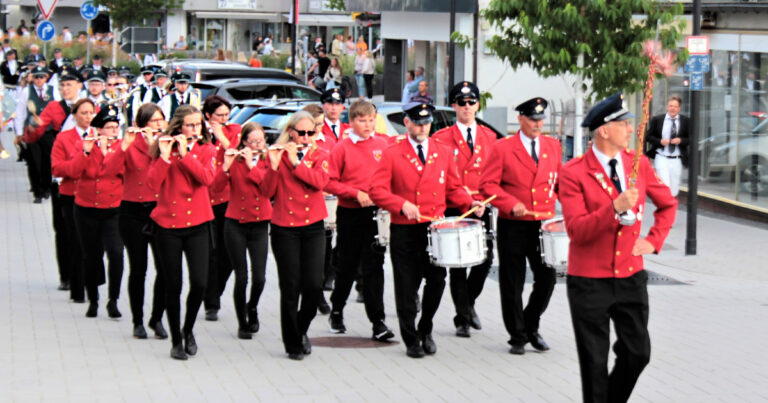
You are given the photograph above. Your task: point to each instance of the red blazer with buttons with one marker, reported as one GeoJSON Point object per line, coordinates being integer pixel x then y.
{"type": "Point", "coordinates": [600, 247]}
{"type": "Point", "coordinates": [53, 115]}
{"type": "Point", "coordinates": [101, 185]}
{"type": "Point", "coordinates": [513, 176]}
{"type": "Point", "coordinates": [331, 140]}
{"type": "Point", "coordinates": [298, 192]}
{"type": "Point", "coordinates": [401, 177]}
{"type": "Point", "coordinates": [352, 166]}
{"type": "Point", "coordinates": [68, 161]}
{"type": "Point", "coordinates": [182, 185]}
{"type": "Point", "coordinates": [137, 161]}
{"type": "Point", "coordinates": [469, 164]}
{"type": "Point", "coordinates": [232, 132]}
{"type": "Point", "coordinates": [247, 202]}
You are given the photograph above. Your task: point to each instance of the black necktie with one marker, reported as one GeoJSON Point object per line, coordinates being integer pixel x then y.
{"type": "Point", "coordinates": [615, 175]}
{"type": "Point", "coordinates": [533, 152]}
{"type": "Point", "coordinates": [333, 127]}
{"type": "Point", "coordinates": [300, 155]}
{"type": "Point", "coordinates": [421, 154]}
{"type": "Point", "coordinates": [672, 135]}
{"type": "Point", "coordinates": [470, 143]}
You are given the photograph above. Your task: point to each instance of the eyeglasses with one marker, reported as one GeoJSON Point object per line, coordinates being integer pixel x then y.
{"type": "Point", "coordinates": [158, 120]}
{"type": "Point", "coordinates": [470, 102]}
{"type": "Point", "coordinates": [193, 125]}
{"type": "Point", "coordinates": [221, 115]}
{"type": "Point", "coordinates": [257, 141]}
{"type": "Point", "coordinates": [111, 85]}
{"type": "Point", "coordinates": [304, 132]}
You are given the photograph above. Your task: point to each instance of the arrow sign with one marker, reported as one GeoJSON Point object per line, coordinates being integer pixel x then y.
{"type": "Point", "coordinates": [46, 31]}
{"type": "Point", "coordinates": [46, 7]}
{"type": "Point", "coordinates": [89, 11]}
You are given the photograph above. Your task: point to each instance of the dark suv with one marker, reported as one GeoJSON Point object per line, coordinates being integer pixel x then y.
{"type": "Point", "coordinates": [238, 90]}
{"type": "Point", "coordinates": [204, 69]}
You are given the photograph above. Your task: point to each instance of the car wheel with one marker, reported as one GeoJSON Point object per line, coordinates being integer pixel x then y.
{"type": "Point", "coordinates": [754, 176]}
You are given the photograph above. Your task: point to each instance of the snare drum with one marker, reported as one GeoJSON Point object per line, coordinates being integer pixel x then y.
{"type": "Point", "coordinates": [330, 206]}
{"type": "Point", "coordinates": [382, 223]}
{"type": "Point", "coordinates": [456, 243]}
{"type": "Point", "coordinates": [494, 221]}
{"type": "Point", "coordinates": [554, 244]}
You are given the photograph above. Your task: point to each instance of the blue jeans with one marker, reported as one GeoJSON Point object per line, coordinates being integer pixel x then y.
{"type": "Point", "coordinates": [360, 85]}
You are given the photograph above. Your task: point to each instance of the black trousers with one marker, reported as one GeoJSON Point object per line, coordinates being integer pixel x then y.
{"type": "Point", "coordinates": [299, 256]}
{"type": "Point", "coordinates": [368, 85]}
{"type": "Point", "coordinates": [99, 233]}
{"type": "Point", "coordinates": [357, 248]}
{"type": "Point", "coordinates": [465, 285]}
{"type": "Point", "coordinates": [75, 265]}
{"type": "Point", "coordinates": [519, 240]}
{"type": "Point", "coordinates": [252, 237]}
{"type": "Point", "coordinates": [193, 242]}
{"type": "Point", "coordinates": [136, 232]}
{"type": "Point", "coordinates": [218, 266]}
{"type": "Point", "coordinates": [63, 252]}
{"type": "Point", "coordinates": [410, 264]}
{"type": "Point", "coordinates": [594, 302]}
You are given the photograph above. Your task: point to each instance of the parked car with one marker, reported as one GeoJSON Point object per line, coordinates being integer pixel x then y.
{"type": "Point", "coordinates": [237, 90]}
{"type": "Point", "coordinates": [273, 118]}
{"type": "Point", "coordinates": [725, 154]}
{"type": "Point", "coordinates": [205, 69]}
{"type": "Point", "coordinates": [247, 109]}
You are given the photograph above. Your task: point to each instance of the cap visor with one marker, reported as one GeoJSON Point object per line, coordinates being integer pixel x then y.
{"type": "Point", "coordinates": [422, 121]}
{"type": "Point", "coordinates": [625, 116]}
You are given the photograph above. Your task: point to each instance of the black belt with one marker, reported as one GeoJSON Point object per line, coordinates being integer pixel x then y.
{"type": "Point", "coordinates": [672, 157]}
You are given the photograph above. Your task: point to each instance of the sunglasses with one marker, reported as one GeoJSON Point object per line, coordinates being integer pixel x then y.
{"type": "Point", "coordinates": [462, 102]}
{"type": "Point", "coordinates": [305, 132]}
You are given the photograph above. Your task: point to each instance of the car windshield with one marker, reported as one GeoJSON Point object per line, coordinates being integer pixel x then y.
{"type": "Point", "coordinates": [271, 120]}
{"type": "Point", "coordinates": [205, 90]}
{"type": "Point", "coordinates": [243, 115]}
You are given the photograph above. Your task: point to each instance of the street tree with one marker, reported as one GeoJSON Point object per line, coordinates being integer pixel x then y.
{"type": "Point", "coordinates": [127, 12]}
{"type": "Point", "coordinates": [337, 4]}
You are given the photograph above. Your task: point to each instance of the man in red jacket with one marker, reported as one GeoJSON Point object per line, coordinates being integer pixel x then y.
{"type": "Point", "coordinates": [471, 144]}
{"type": "Point", "coordinates": [415, 180]}
{"type": "Point", "coordinates": [333, 130]}
{"type": "Point", "coordinates": [521, 172]}
{"type": "Point", "coordinates": [606, 280]}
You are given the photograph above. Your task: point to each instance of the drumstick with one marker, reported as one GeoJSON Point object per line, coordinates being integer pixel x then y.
{"type": "Point", "coordinates": [427, 218]}
{"type": "Point", "coordinates": [537, 213]}
{"type": "Point", "coordinates": [472, 210]}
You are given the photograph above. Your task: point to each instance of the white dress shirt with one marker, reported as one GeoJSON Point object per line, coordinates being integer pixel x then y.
{"type": "Point", "coordinates": [527, 144]}
{"type": "Point", "coordinates": [463, 130]}
{"type": "Point", "coordinates": [604, 161]}
{"type": "Point", "coordinates": [424, 147]}
{"type": "Point", "coordinates": [666, 134]}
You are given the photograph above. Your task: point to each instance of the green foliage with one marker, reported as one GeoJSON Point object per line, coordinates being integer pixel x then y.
{"type": "Point", "coordinates": [70, 50]}
{"type": "Point", "coordinates": [127, 12]}
{"type": "Point", "coordinates": [174, 55]}
{"type": "Point", "coordinates": [277, 61]}
{"type": "Point", "coordinates": [484, 98]}
{"type": "Point", "coordinates": [549, 35]}
{"type": "Point", "coordinates": [337, 4]}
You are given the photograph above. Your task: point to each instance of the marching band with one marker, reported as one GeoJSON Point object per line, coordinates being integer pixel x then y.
{"type": "Point", "coordinates": [153, 168]}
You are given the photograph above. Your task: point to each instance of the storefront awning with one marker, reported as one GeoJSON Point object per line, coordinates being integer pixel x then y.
{"type": "Point", "coordinates": [327, 20]}
{"type": "Point", "coordinates": [240, 15]}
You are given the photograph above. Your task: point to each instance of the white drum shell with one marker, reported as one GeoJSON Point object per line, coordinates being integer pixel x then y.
{"type": "Point", "coordinates": [330, 206]}
{"type": "Point", "coordinates": [554, 246]}
{"type": "Point", "coordinates": [457, 247]}
{"type": "Point", "coordinates": [382, 219]}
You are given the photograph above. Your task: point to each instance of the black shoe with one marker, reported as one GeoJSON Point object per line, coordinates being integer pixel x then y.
{"type": "Point", "coordinates": [92, 311]}
{"type": "Point", "coordinates": [324, 308]}
{"type": "Point", "coordinates": [414, 351]}
{"type": "Point", "coordinates": [428, 344]}
{"type": "Point", "coordinates": [46, 195]}
{"type": "Point", "coordinates": [517, 349]}
{"type": "Point", "coordinates": [78, 300]}
{"type": "Point", "coordinates": [253, 321]}
{"type": "Point", "coordinates": [336, 320]}
{"type": "Point", "coordinates": [381, 332]}
{"type": "Point", "coordinates": [139, 332]}
{"type": "Point", "coordinates": [112, 309]}
{"type": "Point", "coordinates": [38, 200]}
{"type": "Point", "coordinates": [306, 346]}
{"type": "Point", "coordinates": [474, 320]}
{"type": "Point", "coordinates": [64, 286]}
{"type": "Point", "coordinates": [159, 330]}
{"type": "Point", "coordinates": [462, 331]}
{"type": "Point", "coordinates": [296, 356]}
{"type": "Point", "coordinates": [360, 298]}
{"type": "Point", "coordinates": [244, 334]}
{"type": "Point", "coordinates": [178, 353]}
{"type": "Point", "coordinates": [190, 346]}
{"type": "Point", "coordinates": [211, 315]}
{"type": "Point", "coordinates": [538, 342]}
{"type": "Point", "coordinates": [328, 284]}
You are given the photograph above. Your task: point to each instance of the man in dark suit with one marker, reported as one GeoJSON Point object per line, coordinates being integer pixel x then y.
{"type": "Point", "coordinates": [667, 143]}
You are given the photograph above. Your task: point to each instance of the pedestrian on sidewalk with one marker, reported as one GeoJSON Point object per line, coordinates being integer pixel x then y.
{"type": "Point", "coordinates": [667, 143]}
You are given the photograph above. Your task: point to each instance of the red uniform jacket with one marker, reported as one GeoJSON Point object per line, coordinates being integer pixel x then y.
{"type": "Point", "coordinates": [137, 160]}
{"type": "Point", "coordinates": [469, 164]}
{"type": "Point", "coordinates": [600, 247]}
{"type": "Point", "coordinates": [352, 166]}
{"type": "Point", "coordinates": [401, 177]}
{"type": "Point", "coordinates": [514, 178]}
{"type": "Point", "coordinates": [298, 192]}
{"type": "Point", "coordinates": [101, 185]}
{"type": "Point", "coordinates": [53, 115]}
{"type": "Point", "coordinates": [68, 161]}
{"type": "Point", "coordinates": [247, 202]}
{"type": "Point", "coordinates": [232, 132]}
{"type": "Point", "coordinates": [330, 139]}
{"type": "Point", "coordinates": [182, 185]}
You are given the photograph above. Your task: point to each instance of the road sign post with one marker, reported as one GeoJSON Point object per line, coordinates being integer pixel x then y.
{"type": "Point", "coordinates": [88, 11]}
{"type": "Point", "coordinates": [697, 45]}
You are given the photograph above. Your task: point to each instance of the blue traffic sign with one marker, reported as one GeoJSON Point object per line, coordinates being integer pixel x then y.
{"type": "Point", "coordinates": [46, 31]}
{"type": "Point", "coordinates": [89, 11]}
{"type": "Point", "coordinates": [697, 64]}
{"type": "Point", "coordinates": [697, 81]}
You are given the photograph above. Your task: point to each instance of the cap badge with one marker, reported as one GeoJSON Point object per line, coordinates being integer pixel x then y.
{"type": "Point", "coordinates": [423, 112]}
{"type": "Point", "coordinates": [539, 108]}
{"type": "Point", "coordinates": [465, 90]}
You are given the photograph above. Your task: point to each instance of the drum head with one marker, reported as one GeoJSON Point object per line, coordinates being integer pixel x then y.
{"type": "Point", "coordinates": [554, 225]}
{"type": "Point", "coordinates": [451, 223]}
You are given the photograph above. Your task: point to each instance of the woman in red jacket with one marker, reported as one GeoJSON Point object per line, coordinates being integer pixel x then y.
{"type": "Point", "coordinates": [68, 162]}
{"type": "Point", "coordinates": [298, 173]}
{"type": "Point", "coordinates": [182, 169]}
{"type": "Point", "coordinates": [223, 136]}
{"type": "Point", "coordinates": [247, 223]}
{"type": "Point", "coordinates": [97, 203]}
{"type": "Point", "coordinates": [138, 202]}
